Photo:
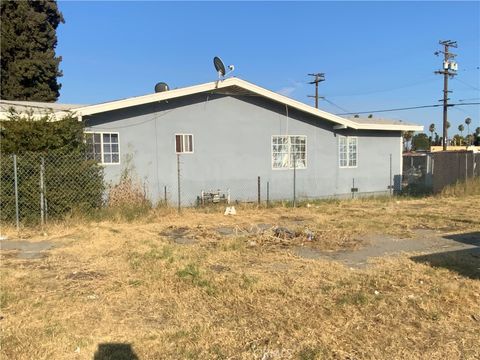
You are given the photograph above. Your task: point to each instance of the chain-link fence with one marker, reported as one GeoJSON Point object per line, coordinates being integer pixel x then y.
{"type": "Point", "coordinates": [290, 187]}
{"type": "Point", "coordinates": [35, 187]}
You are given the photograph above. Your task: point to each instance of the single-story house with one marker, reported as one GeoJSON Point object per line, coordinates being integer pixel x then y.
{"type": "Point", "coordinates": [223, 135]}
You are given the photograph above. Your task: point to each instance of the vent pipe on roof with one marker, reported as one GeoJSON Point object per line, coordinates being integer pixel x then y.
{"type": "Point", "coordinates": [161, 87]}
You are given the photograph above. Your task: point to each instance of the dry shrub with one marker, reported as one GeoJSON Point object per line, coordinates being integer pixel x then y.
{"type": "Point", "coordinates": [128, 193]}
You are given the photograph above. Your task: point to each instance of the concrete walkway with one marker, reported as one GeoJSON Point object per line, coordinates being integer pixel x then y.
{"type": "Point", "coordinates": [424, 242]}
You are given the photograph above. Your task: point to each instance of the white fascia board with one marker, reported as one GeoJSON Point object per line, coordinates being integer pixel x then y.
{"type": "Point", "coordinates": [340, 121]}
{"type": "Point", "coordinates": [293, 103]}
{"type": "Point", "coordinates": [170, 94]}
{"type": "Point", "coordinates": [392, 127]}
{"type": "Point", "coordinates": [145, 99]}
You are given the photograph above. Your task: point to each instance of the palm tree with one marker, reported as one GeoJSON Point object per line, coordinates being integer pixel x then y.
{"type": "Point", "coordinates": [431, 128]}
{"type": "Point", "coordinates": [446, 137]}
{"type": "Point", "coordinates": [468, 121]}
{"type": "Point", "coordinates": [461, 128]}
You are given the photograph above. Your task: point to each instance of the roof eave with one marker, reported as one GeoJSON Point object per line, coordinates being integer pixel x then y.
{"type": "Point", "coordinates": [171, 94]}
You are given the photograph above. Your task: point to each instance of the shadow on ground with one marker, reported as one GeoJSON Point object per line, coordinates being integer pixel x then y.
{"type": "Point", "coordinates": [115, 351]}
{"type": "Point", "coordinates": [465, 262]}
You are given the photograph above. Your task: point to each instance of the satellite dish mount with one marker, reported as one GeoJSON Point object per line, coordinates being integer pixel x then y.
{"type": "Point", "coordinates": [220, 67]}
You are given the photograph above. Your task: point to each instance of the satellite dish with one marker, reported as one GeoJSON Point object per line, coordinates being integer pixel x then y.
{"type": "Point", "coordinates": [161, 87]}
{"type": "Point", "coordinates": [220, 67]}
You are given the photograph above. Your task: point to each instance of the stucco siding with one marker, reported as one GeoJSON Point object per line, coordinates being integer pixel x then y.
{"type": "Point", "coordinates": [232, 147]}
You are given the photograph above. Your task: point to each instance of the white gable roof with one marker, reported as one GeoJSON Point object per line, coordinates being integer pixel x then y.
{"type": "Point", "coordinates": [339, 122]}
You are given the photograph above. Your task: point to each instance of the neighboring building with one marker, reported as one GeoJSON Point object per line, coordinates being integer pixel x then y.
{"type": "Point", "coordinates": [456, 148]}
{"type": "Point", "coordinates": [228, 133]}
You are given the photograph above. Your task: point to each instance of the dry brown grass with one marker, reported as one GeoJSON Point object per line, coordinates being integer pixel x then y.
{"type": "Point", "coordinates": [244, 296]}
{"type": "Point", "coordinates": [469, 187]}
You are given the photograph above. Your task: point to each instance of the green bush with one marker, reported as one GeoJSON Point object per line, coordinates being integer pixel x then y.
{"type": "Point", "coordinates": [71, 182]}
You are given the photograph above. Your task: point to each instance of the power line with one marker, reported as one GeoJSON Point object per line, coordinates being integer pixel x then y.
{"type": "Point", "coordinates": [337, 106]}
{"type": "Point", "coordinates": [406, 108]}
{"type": "Point", "coordinates": [421, 82]}
{"type": "Point", "coordinates": [477, 98]}
{"type": "Point", "coordinates": [469, 85]}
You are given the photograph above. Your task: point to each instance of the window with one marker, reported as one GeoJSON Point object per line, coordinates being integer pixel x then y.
{"type": "Point", "coordinates": [289, 152]}
{"type": "Point", "coordinates": [347, 151]}
{"type": "Point", "coordinates": [183, 143]}
{"type": "Point", "coordinates": [103, 147]}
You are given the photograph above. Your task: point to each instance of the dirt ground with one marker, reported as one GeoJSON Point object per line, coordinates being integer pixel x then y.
{"type": "Point", "coordinates": [362, 279]}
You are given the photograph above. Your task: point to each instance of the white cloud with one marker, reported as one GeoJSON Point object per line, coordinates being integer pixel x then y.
{"type": "Point", "coordinates": [289, 90]}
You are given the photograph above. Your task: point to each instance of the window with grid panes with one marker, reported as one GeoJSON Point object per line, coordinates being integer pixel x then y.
{"type": "Point", "coordinates": [347, 151]}
{"type": "Point", "coordinates": [289, 152]}
{"type": "Point", "coordinates": [103, 147]}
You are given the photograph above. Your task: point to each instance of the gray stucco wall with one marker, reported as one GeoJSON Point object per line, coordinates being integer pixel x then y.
{"type": "Point", "coordinates": [232, 147]}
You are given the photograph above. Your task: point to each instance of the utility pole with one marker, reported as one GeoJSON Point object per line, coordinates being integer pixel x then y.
{"type": "Point", "coordinates": [449, 69]}
{"type": "Point", "coordinates": [319, 77]}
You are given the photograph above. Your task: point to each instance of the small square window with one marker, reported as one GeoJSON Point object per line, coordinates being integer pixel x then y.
{"type": "Point", "coordinates": [183, 143]}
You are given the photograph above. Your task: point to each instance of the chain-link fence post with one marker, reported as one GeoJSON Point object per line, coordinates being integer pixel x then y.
{"type": "Point", "coordinates": [15, 180]}
{"type": "Point", "coordinates": [390, 186]}
{"type": "Point", "coordinates": [268, 193]}
{"type": "Point", "coordinates": [294, 181]}
{"type": "Point", "coordinates": [42, 195]}
{"type": "Point", "coordinates": [178, 183]}
{"type": "Point", "coordinates": [258, 190]}
{"type": "Point", "coordinates": [45, 197]}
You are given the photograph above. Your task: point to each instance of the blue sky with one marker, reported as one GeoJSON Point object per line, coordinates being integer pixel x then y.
{"type": "Point", "coordinates": [376, 55]}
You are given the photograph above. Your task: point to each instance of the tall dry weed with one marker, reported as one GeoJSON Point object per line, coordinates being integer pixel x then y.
{"type": "Point", "coordinates": [128, 193]}
{"type": "Point", "coordinates": [463, 188]}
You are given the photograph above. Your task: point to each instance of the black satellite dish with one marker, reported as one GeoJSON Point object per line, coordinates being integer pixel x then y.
{"type": "Point", "coordinates": [219, 66]}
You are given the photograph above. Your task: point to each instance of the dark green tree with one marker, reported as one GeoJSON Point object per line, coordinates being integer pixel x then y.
{"type": "Point", "coordinates": [29, 67]}
{"type": "Point", "coordinates": [420, 142]}
{"type": "Point", "coordinates": [23, 133]}
{"type": "Point", "coordinates": [477, 137]}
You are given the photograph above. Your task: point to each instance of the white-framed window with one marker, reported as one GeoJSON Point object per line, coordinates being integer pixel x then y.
{"type": "Point", "coordinates": [103, 147]}
{"type": "Point", "coordinates": [289, 151]}
{"type": "Point", "coordinates": [183, 143]}
{"type": "Point", "coordinates": [347, 151]}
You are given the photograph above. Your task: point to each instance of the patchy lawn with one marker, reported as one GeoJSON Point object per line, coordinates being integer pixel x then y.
{"type": "Point", "coordinates": [205, 286]}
